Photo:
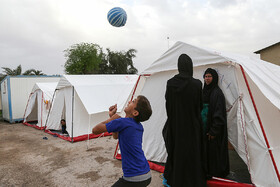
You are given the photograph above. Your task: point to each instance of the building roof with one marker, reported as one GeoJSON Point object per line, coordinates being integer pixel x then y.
{"type": "Point", "coordinates": [258, 52]}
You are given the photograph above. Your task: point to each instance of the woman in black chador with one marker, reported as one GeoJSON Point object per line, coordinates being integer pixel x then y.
{"type": "Point", "coordinates": [215, 126]}
{"type": "Point", "coordinates": [182, 132]}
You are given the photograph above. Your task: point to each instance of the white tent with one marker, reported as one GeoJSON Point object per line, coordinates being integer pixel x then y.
{"type": "Point", "coordinates": [15, 92]}
{"type": "Point", "coordinates": [252, 92]}
{"type": "Point", "coordinates": [38, 104]}
{"type": "Point", "coordinates": [83, 101]}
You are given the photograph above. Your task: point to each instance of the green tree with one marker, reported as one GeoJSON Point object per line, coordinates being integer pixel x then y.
{"type": "Point", "coordinates": [38, 72]}
{"type": "Point", "coordinates": [83, 58]}
{"type": "Point", "coordinates": [28, 72]}
{"type": "Point", "coordinates": [118, 62]}
{"type": "Point", "coordinates": [12, 72]}
{"type": "Point", "coordinates": [33, 72]}
{"type": "Point", "coordinates": [18, 70]}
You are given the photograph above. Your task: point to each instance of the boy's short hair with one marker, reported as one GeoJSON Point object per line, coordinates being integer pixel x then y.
{"type": "Point", "coordinates": [144, 108]}
{"type": "Point", "coordinates": [62, 120]}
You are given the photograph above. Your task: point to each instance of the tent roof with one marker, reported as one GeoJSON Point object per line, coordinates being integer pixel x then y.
{"type": "Point", "coordinates": [47, 88]}
{"type": "Point", "coordinates": [265, 75]}
{"type": "Point", "coordinates": [99, 92]}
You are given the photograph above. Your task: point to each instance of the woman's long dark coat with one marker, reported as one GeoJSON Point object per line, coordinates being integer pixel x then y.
{"type": "Point", "coordinates": [182, 133]}
{"type": "Point", "coordinates": [217, 149]}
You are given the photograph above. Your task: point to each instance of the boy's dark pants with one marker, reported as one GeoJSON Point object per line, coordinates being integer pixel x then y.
{"type": "Point", "coordinates": [123, 183]}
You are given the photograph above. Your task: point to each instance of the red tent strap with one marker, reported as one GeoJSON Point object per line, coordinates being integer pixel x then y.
{"type": "Point", "coordinates": [260, 122]}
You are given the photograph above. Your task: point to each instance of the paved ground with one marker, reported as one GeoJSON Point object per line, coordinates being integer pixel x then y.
{"type": "Point", "coordinates": [26, 159]}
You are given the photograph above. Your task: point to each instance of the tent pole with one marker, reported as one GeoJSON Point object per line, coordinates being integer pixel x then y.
{"type": "Point", "coordinates": [42, 103]}
{"type": "Point", "coordinates": [50, 110]}
{"type": "Point", "coordinates": [116, 150]}
{"type": "Point", "coordinates": [88, 133]}
{"type": "Point", "coordinates": [260, 122]}
{"type": "Point", "coordinates": [72, 113]}
{"type": "Point", "coordinates": [26, 106]}
{"type": "Point", "coordinates": [135, 87]}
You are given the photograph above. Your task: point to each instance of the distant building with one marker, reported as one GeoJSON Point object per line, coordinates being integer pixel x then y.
{"type": "Point", "coordinates": [270, 53]}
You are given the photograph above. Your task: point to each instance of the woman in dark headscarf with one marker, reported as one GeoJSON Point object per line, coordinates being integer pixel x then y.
{"type": "Point", "coordinates": [182, 132]}
{"type": "Point", "coordinates": [215, 126]}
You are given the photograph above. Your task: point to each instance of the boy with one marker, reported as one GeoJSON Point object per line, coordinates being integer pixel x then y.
{"type": "Point", "coordinates": [129, 131]}
{"type": "Point", "coordinates": [63, 127]}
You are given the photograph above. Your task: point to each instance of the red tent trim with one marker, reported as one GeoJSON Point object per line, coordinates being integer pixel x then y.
{"type": "Point", "coordinates": [78, 138]}
{"type": "Point", "coordinates": [75, 139]}
{"type": "Point", "coordinates": [34, 126]}
{"type": "Point", "coordinates": [219, 182]}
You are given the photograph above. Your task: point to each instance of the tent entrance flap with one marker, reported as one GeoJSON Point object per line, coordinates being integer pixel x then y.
{"type": "Point", "coordinates": [61, 108]}
{"type": "Point", "coordinates": [31, 113]}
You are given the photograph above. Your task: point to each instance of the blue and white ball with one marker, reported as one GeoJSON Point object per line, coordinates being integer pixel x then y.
{"type": "Point", "coordinates": [117, 17]}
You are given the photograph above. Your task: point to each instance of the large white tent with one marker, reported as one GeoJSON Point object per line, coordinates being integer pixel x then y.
{"type": "Point", "coordinates": [252, 91]}
{"type": "Point", "coordinates": [38, 104]}
{"type": "Point", "coordinates": [83, 101]}
{"type": "Point", "coordinates": [15, 92]}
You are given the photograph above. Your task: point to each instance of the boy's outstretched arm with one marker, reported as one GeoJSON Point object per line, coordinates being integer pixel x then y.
{"type": "Point", "coordinates": [101, 127]}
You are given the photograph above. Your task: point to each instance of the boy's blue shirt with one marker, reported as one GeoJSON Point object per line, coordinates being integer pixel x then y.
{"type": "Point", "coordinates": [130, 140]}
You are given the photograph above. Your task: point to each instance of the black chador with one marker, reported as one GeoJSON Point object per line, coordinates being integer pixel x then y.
{"type": "Point", "coordinates": [216, 126]}
{"type": "Point", "coordinates": [182, 132]}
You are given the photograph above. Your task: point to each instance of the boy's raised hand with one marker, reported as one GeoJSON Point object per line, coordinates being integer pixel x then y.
{"type": "Point", "coordinates": [113, 110]}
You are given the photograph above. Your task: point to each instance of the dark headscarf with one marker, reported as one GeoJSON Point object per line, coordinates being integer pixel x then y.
{"type": "Point", "coordinates": [185, 68]}
{"type": "Point", "coordinates": [207, 89]}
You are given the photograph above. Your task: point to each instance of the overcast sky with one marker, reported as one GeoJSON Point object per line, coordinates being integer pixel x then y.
{"type": "Point", "coordinates": [34, 33]}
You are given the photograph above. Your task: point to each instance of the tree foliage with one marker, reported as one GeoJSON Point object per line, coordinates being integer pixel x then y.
{"type": "Point", "coordinates": [118, 62]}
{"type": "Point", "coordinates": [18, 71]}
{"type": "Point", "coordinates": [83, 58]}
{"type": "Point", "coordinates": [33, 72]}
{"type": "Point", "coordinates": [12, 72]}
{"type": "Point", "coordinates": [88, 58]}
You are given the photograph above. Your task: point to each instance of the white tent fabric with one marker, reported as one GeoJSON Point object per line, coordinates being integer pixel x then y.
{"type": "Point", "coordinates": [37, 107]}
{"type": "Point", "coordinates": [269, 72]}
{"type": "Point", "coordinates": [83, 100]}
{"type": "Point", "coordinates": [252, 92]}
